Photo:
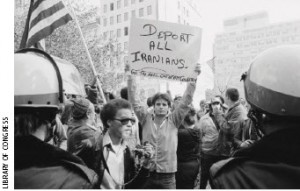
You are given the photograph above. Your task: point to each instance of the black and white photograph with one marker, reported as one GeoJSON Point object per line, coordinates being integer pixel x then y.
{"type": "Point", "coordinates": [150, 94]}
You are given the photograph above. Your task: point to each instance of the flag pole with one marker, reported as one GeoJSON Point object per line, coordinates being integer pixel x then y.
{"type": "Point", "coordinates": [26, 29]}
{"type": "Point", "coordinates": [88, 53]}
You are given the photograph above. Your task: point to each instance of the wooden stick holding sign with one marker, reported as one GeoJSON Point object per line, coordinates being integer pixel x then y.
{"type": "Point", "coordinates": [164, 50]}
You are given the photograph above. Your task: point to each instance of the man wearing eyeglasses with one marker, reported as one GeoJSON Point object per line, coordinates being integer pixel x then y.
{"type": "Point", "coordinates": [109, 154]}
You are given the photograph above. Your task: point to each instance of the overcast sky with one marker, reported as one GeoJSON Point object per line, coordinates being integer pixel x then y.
{"type": "Point", "coordinates": [214, 12]}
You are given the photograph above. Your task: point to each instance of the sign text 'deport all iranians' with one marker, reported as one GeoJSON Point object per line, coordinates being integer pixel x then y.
{"type": "Point", "coordinates": [164, 50]}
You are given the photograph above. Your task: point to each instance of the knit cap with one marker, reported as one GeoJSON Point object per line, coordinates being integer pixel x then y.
{"type": "Point", "coordinates": [80, 107]}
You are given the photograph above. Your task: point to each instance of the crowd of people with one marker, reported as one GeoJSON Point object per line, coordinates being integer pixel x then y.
{"type": "Point", "coordinates": [66, 141]}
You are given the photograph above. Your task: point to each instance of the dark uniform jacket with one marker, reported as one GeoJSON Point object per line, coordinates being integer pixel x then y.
{"type": "Point", "coordinates": [39, 165]}
{"type": "Point", "coordinates": [271, 163]}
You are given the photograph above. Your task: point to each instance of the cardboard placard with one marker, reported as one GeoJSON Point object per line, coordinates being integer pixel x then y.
{"type": "Point", "coordinates": [164, 50]}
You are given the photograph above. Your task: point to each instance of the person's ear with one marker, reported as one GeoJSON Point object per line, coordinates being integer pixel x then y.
{"type": "Point", "coordinates": [87, 114]}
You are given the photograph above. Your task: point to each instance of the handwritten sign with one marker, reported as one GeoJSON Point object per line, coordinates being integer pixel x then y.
{"type": "Point", "coordinates": [164, 50]}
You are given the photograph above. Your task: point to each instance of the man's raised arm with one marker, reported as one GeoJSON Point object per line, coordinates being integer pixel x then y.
{"type": "Point", "coordinates": [183, 107]}
{"type": "Point", "coordinates": [139, 110]}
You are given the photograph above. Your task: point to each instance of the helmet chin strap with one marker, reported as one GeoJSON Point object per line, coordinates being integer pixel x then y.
{"type": "Point", "coordinates": [257, 119]}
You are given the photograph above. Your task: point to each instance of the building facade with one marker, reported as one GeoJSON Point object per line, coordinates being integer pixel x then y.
{"type": "Point", "coordinates": [243, 39]}
{"type": "Point", "coordinates": [115, 16]}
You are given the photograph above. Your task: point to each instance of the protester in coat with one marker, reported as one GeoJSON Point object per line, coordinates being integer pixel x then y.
{"type": "Point", "coordinates": [39, 165]}
{"type": "Point", "coordinates": [81, 126]}
{"type": "Point", "coordinates": [160, 128]}
{"type": "Point", "coordinates": [272, 88]}
{"type": "Point", "coordinates": [110, 156]}
{"type": "Point", "coordinates": [188, 152]}
{"type": "Point", "coordinates": [228, 122]}
{"type": "Point", "coordinates": [210, 141]}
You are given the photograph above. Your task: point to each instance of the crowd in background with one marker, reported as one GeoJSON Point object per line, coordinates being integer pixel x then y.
{"type": "Point", "coordinates": [162, 144]}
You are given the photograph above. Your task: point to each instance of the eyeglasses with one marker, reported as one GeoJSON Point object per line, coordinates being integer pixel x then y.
{"type": "Point", "coordinates": [126, 121]}
{"type": "Point", "coordinates": [215, 103]}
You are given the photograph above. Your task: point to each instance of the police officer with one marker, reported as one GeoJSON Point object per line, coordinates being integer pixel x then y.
{"type": "Point", "coordinates": [37, 96]}
{"type": "Point", "coordinates": [272, 88]}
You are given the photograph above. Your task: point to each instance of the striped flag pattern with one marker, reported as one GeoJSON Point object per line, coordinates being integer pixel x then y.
{"type": "Point", "coordinates": [44, 16]}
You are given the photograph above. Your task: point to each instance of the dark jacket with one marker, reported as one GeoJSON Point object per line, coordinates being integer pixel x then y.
{"type": "Point", "coordinates": [245, 130]}
{"type": "Point", "coordinates": [94, 158]}
{"type": "Point", "coordinates": [79, 136]}
{"type": "Point", "coordinates": [39, 165]}
{"type": "Point", "coordinates": [228, 128]}
{"type": "Point", "coordinates": [188, 157]}
{"type": "Point", "coordinates": [271, 163]}
{"type": "Point", "coordinates": [188, 144]}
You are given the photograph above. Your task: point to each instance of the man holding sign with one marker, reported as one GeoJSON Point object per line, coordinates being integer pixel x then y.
{"type": "Point", "coordinates": [156, 51]}
{"type": "Point", "coordinates": [160, 129]}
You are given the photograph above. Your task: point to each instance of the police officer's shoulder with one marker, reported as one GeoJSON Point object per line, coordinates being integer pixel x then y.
{"type": "Point", "coordinates": [218, 167]}
{"type": "Point", "coordinates": [84, 171]}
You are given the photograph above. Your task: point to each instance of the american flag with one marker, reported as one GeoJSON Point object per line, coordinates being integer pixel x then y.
{"type": "Point", "coordinates": [44, 16]}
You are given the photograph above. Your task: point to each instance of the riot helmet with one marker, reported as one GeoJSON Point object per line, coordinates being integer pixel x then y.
{"type": "Point", "coordinates": [272, 83]}
{"type": "Point", "coordinates": [38, 82]}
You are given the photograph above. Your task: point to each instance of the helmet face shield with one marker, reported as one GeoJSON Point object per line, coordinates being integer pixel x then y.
{"type": "Point", "coordinates": [272, 83]}
{"type": "Point", "coordinates": [37, 81]}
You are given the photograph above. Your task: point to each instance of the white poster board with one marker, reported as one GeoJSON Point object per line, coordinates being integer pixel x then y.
{"type": "Point", "coordinates": [164, 50]}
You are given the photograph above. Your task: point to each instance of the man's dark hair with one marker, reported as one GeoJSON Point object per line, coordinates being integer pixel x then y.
{"type": "Point", "coordinates": [161, 96]}
{"type": "Point", "coordinates": [110, 110]}
{"type": "Point", "coordinates": [233, 94]}
{"type": "Point", "coordinates": [189, 118]}
{"type": "Point", "coordinates": [149, 102]}
{"type": "Point", "coordinates": [28, 120]}
{"type": "Point", "coordinates": [124, 93]}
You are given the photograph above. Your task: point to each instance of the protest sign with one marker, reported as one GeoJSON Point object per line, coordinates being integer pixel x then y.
{"type": "Point", "coordinates": [164, 50]}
